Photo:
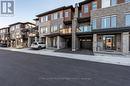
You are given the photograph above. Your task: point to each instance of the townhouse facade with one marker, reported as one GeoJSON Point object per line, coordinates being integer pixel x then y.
{"type": "Point", "coordinates": [19, 35]}
{"type": "Point", "coordinates": [111, 26]}
{"type": "Point", "coordinates": [98, 25]}
{"type": "Point", "coordinates": [55, 27]}
{"type": "Point", "coordinates": [4, 36]}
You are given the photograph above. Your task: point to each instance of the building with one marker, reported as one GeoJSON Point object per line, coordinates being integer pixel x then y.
{"type": "Point", "coordinates": [33, 34]}
{"type": "Point", "coordinates": [18, 34]}
{"type": "Point", "coordinates": [82, 36]}
{"type": "Point", "coordinates": [4, 36]}
{"type": "Point", "coordinates": [55, 27]}
{"type": "Point", "coordinates": [111, 26]}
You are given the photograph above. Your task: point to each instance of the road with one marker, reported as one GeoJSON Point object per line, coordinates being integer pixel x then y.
{"type": "Point", "coordinates": [21, 69]}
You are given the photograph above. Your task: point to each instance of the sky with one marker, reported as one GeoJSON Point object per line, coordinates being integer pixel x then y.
{"type": "Point", "coordinates": [26, 10]}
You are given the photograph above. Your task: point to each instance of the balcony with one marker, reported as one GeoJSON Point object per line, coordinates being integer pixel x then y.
{"type": "Point", "coordinates": [66, 31]}
{"type": "Point", "coordinates": [83, 29]}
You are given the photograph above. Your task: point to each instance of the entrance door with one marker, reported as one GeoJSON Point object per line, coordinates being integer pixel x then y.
{"type": "Point", "coordinates": [68, 42]}
{"type": "Point", "coordinates": [109, 42]}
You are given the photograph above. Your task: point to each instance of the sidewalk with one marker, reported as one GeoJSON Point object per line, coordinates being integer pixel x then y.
{"type": "Point", "coordinates": [102, 58]}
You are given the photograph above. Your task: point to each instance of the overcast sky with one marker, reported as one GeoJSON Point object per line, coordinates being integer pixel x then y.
{"type": "Point", "coordinates": [25, 10]}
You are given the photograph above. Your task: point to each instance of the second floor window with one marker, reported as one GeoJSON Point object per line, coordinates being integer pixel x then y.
{"type": "Point", "coordinates": [86, 8]}
{"type": "Point", "coordinates": [109, 21]}
{"type": "Point", "coordinates": [127, 20]}
{"type": "Point", "coordinates": [43, 30]}
{"type": "Point", "coordinates": [94, 24]}
{"type": "Point", "coordinates": [66, 14]}
{"type": "Point", "coordinates": [54, 28]}
{"type": "Point", "coordinates": [105, 22]}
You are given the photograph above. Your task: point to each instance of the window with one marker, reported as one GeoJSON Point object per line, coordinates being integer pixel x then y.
{"type": "Point", "coordinates": [105, 22]}
{"type": "Point", "coordinates": [66, 14]}
{"type": "Point", "coordinates": [45, 18]}
{"type": "Point", "coordinates": [55, 15]}
{"type": "Point", "coordinates": [113, 21]}
{"type": "Point", "coordinates": [61, 15]}
{"type": "Point", "coordinates": [54, 28]}
{"type": "Point", "coordinates": [94, 24]}
{"type": "Point", "coordinates": [60, 26]}
{"type": "Point", "coordinates": [86, 8]}
{"type": "Point", "coordinates": [17, 26]}
{"type": "Point", "coordinates": [94, 5]}
{"type": "Point", "coordinates": [127, 20]}
{"type": "Point", "coordinates": [41, 19]}
{"type": "Point", "coordinates": [52, 18]}
{"type": "Point", "coordinates": [43, 30]}
{"type": "Point", "coordinates": [108, 3]}
{"type": "Point", "coordinates": [105, 3]}
{"type": "Point", "coordinates": [127, 0]}
{"type": "Point", "coordinates": [109, 21]}
{"type": "Point", "coordinates": [113, 2]}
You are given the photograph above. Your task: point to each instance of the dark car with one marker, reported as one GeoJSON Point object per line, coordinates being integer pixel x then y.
{"type": "Point", "coordinates": [3, 45]}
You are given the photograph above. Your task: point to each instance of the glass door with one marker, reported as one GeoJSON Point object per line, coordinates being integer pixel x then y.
{"type": "Point", "coordinates": [109, 42]}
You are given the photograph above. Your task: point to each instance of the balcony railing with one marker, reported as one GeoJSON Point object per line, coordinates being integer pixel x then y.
{"type": "Point", "coordinates": [84, 29]}
{"type": "Point", "coordinates": [66, 31]}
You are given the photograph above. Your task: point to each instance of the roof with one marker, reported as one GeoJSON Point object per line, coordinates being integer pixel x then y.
{"type": "Point", "coordinates": [36, 19]}
{"type": "Point", "coordinates": [21, 23]}
{"type": "Point", "coordinates": [55, 10]}
{"type": "Point", "coordinates": [4, 28]}
{"type": "Point", "coordinates": [85, 2]}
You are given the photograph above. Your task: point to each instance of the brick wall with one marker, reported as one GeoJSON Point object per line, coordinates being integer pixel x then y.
{"type": "Point", "coordinates": [118, 10]}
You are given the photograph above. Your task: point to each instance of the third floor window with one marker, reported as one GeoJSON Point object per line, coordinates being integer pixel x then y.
{"type": "Point", "coordinates": [108, 3]}
{"type": "Point", "coordinates": [94, 5]}
{"type": "Point", "coordinates": [127, 0]}
{"type": "Point", "coordinates": [86, 8]}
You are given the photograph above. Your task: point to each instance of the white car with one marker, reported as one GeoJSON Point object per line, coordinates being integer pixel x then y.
{"type": "Point", "coordinates": [38, 45]}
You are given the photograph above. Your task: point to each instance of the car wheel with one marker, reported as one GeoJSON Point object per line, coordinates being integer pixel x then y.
{"type": "Point", "coordinates": [39, 47]}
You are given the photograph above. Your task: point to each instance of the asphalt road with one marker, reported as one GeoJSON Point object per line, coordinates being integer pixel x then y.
{"type": "Point", "coordinates": [20, 69]}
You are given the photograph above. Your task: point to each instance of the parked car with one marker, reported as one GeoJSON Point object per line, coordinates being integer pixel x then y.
{"type": "Point", "coordinates": [38, 45]}
{"type": "Point", "coordinates": [3, 45]}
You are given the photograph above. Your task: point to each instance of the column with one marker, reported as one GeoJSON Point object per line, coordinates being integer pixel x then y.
{"type": "Point", "coordinates": [94, 42]}
{"type": "Point", "coordinates": [74, 29]}
{"type": "Point", "coordinates": [29, 41]}
{"type": "Point", "coordinates": [125, 42]}
{"type": "Point", "coordinates": [48, 42]}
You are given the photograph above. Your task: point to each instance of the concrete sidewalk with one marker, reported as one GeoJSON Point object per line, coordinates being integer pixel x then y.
{"type": "Point", "coordinates": [111, 59]}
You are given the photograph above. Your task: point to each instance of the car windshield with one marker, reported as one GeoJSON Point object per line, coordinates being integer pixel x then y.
{"type": "Point", "coordinates": [35, 43]}
{"type": "Point", "coordinates": [40, 43]}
